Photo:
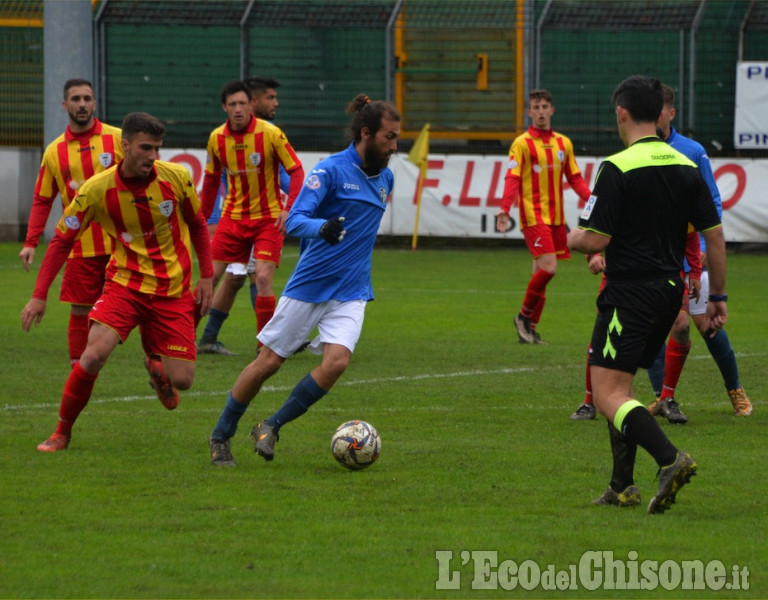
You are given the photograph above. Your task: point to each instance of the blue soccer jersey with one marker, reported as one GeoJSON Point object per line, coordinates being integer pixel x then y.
{"type": "Point", "coordinates": [337, 187]}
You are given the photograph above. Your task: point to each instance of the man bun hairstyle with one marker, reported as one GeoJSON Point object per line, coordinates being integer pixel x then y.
{"type": "Point", "coordinates": [368, 113]}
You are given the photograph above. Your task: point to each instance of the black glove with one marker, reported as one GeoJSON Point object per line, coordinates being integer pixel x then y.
{"type": "Point", "coordinates": [332, 231]}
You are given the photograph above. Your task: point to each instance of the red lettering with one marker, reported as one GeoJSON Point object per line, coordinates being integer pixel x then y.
{"type": "Point", "coordinates": [432, 165]}
{"type": "Point", "coordinates": [493, 199]}
{"type": "Point", "coordinates": [741, 183]}
{"type": "Point", "coordinates": [464, 198]}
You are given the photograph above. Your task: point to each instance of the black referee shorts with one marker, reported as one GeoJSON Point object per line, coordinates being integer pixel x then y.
{"type": "Point", "coordinates": [633, 320]}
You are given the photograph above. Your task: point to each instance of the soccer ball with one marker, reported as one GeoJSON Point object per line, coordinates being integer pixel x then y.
{"type": "Point", "coordinates": [356, 445]}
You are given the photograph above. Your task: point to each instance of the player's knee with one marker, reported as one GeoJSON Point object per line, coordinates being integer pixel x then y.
{"type": "Point", "coordinates": [183, 379]}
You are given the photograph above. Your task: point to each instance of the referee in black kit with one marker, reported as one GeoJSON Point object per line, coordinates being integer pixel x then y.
{"type": "Point", "coordinates": [638, 214]}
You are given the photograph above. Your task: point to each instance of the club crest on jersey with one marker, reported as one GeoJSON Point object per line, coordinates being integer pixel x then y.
{"type": "Point", "coordinates": [166, 208]}
{"type": "Point", "coordinates": [313, 182]}
{"type": "Point", "coordinates": [560, 155]}
{"type": "Point", "coordinates": [255, 158]}
{"type": "Point", "coordinates": [72, 222]}
{"type": "Point", "coordinates": [105, 159]}
{"type": "Point", "coordinates": [383, 195]}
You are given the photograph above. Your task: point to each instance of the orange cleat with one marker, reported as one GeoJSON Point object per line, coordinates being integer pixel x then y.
{"type": "Point", "coordinates": [58, 441]}
{"type": "Point", "coordinates": [166, 393]}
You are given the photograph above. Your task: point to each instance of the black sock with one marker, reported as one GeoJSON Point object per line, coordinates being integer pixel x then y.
{"type": "Point", "coordinates": [624, 453]}
{"type": "Point", "coordinates": [639, 427]}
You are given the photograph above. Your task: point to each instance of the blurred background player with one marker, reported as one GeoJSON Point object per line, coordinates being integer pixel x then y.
{"type": "Point", "coordinates": [264, 105]}
{"type": "Point", "coordinates": [250, 151]}
{"type": "Point", "coordinates": [86, 147]}
{"type": "Point", "coordinates": [337, 216]}
{"type": "Point", "coordinates": [151, 211]}
{"type": "Point", "coordinates": [538, 160]}
{"type": "Point", "coordinates": [719, 345]}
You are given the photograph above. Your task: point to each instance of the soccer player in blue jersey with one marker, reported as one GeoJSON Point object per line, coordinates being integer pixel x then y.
{"type": "Point", "coordinates": [665, 373]}
{"type": "Point", "coordinates": [337, 216]}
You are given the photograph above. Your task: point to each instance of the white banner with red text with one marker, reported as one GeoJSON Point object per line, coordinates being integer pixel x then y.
{"type": "Point", "coordinates": [462, 194]}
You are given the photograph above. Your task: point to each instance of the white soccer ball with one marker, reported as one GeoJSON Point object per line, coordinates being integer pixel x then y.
{"type": "Point", "coordinates": [356, 445]}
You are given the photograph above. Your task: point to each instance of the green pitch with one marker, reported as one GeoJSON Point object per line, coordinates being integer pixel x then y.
{"type": "Point", "coordinates": [478, 454]}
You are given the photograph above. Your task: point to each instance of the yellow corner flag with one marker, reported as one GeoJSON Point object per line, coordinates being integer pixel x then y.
{"type": "Point", "coordinates": [418, 156]}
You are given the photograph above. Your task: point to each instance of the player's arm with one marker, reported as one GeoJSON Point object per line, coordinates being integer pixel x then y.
{"type": "Point", "coordinates": [294, 187]}
{"type": "Point", "coordinates": [45, 193]}
{"type": "Point", "coordinates": [511, 192]}
{"type": "Point", "coordinates": [211, 180]}
{"type": "Point", "coordinates": [302, 220]}
{"type": "Point", "coordinates": [192, 212]}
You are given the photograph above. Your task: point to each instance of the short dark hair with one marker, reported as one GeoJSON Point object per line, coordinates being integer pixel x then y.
{"type": "Point", "coordinates": [641, 96]}
{"type": "Point", "coordinates": [669, 95]}
{"type": "Point", "coordinates": [233, 87]}
{"type": "Point", "coordinates": [368, 113]}
{"type": "Point", "coordinates": [70, 83]}
{"type": "Point", "coordinates": [262, 84]}
{"type": "Point", "coordinates": [141, 122]}
{"type": "Point", "coordinates": [540, 94]}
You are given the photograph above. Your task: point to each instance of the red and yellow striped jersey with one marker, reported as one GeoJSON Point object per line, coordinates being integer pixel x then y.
{"type": "Point", "coordinates": [149, 222]}
{"type": "Point", "coordinates": [252, 159]}
{"type": "Point", "coordinates": [68, 162]}
{"type": "Point", "coordinates": [539, 159]}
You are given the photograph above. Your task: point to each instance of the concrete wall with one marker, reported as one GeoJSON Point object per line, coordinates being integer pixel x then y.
{"type": "Point", "coordinates": [18, 171]}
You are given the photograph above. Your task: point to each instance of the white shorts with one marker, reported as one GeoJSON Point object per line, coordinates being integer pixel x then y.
{"type": "Point", "coordinates": [237, 269]}
{"type": "Point", "coordinates": [295, 320]}
{"type": "Point", "coordinates": [699, 307]}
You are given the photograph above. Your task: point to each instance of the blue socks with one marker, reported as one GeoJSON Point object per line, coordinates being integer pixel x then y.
{"type": "Point", "coordinates": [229, 419]}
{"type": "Point", "coordinates": [304, 395]}
{"type": "Point", "coordinates": [720, 348]}
{"type": "Point", "coordinates": [254, 293]}
{"type": "Point", "coordinates": [216, 319]}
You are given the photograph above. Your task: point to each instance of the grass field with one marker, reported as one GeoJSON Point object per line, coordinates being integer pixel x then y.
{"type": "Point", "coordinates": [478, 453]}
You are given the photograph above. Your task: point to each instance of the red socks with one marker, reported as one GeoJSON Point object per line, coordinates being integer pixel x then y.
{"type": "Point", "coordinates": [77, 392]}
{"type": "Point", "coordinates": [77, 336]}
{"type": "Point", "coordinates": [533, 303]}
{"type": "Point", "coordinates": [265, 308]}
{"type": "Point", "coordinates": [673, 366]}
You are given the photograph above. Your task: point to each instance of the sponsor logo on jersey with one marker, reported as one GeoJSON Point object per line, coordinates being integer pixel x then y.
{"type": "Point", "coordinates": [351, 186]}
{"type": "Point", "coordinates": [662, 156]}
{"type": "Point", "coordinates": [166, 208]}
{"type": "Point", "coordinates": [255, 159]}
{"type": "Point", "coordinates": [588, 207]}
{"type": "Point", "coordinates": [105, 159]}
{"type": "Point", "coordinates": [313, 182]}
{"type": "Point", "coordinates": [318, 170]}
{"type": "Point", "coordinates": [72, 222]}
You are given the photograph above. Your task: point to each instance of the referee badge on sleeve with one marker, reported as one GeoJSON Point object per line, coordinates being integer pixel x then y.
{"type": "Point", "coordinates": [588, 207]}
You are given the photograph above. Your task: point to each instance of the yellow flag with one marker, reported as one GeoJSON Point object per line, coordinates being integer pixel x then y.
{"type": "Point", "coordinates": [418, 156]}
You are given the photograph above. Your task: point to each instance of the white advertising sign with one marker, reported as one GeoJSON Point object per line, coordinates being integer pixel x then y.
{"type": "Point", "coordinates": [462, 194]}
{"type": "Point", "coordinates": [750, 128]}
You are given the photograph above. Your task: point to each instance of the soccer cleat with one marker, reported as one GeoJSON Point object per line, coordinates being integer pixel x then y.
{"type": "Point", "coordinates": [537, 338]}
{"type": "Point", "coordinates": [671, 479]}
{"type": "Point", "coordinates": [523, 326]}
{"type": "Point", "coordinates": [668, 408]}
{"type": "Point", "coordinates": [58, 441]}
{"type": "Point", "coordinates": [629, 497]}
{"type": "Point", "coordinates": [742, 407]}
{"type": "Point", "coordinates": [221, 455]}
{"type": "Point", "coordinates": [214, 348]}
{"type": "Point", "coordinates": [265, 437]}
{"type": "Point", "coordinates": [166, 393]}
{"type": "Point", "coordinates": [585, 412]}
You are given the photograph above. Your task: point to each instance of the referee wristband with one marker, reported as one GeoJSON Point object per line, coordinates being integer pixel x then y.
{"type": "Point", "coordinates": [718, 297]}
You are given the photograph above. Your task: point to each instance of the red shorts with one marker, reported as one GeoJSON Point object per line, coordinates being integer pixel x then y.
{"type": "Point", "coordinates": [167, 324]}
{"type": "Point", "coordinates": [547, 239]}
{"type": "Point", "coordinates": [234, 240]}
{"type": "Point", "coordinates": [83, 280]}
